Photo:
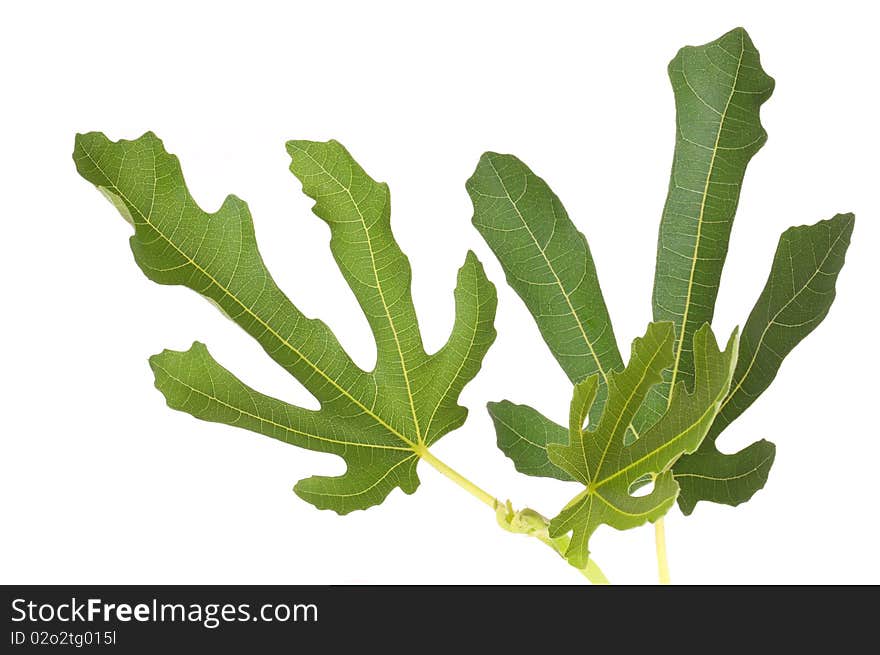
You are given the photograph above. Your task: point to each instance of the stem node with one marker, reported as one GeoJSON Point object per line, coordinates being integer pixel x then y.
{"type": "Point", "coordinates": [526, 521]}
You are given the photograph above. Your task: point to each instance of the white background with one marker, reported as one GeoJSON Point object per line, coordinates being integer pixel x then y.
{"type": "Point", "coordinates": [100, 482]}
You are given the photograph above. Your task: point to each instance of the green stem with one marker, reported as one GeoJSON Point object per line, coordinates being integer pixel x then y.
{"type": "Point", "coordinates": [594, 574]}
{"type": "Point", "coordinates": [591, 571]}
{"type": "Point", "coordinates": [480, 494]}
{"type": "Point", "coordinates": [660, 541]}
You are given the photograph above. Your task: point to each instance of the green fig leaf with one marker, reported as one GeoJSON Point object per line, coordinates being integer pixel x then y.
{"type": "Point", "coordinates": [609, 467]}
{"type": "Point", "coordinates": [380, 422]}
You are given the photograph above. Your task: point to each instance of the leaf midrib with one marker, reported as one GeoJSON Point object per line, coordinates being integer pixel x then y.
{"type": "Point", "coordinates": [640, 515]}
{"type": "Point", "coordinates": [717, 478]}
{"type": "Point", "coordinates": [695, 258]}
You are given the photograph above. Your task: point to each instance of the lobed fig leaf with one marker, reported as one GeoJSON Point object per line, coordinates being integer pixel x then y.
{"type": "Point", "coordinates": [608, 466]}
{"type": "Point", "coordinates": [380, 422]}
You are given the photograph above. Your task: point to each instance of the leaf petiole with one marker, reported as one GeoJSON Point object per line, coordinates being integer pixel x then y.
{"type": "Point", "coordinates": [480, 494]}
{"type": "Point", "coordinates": [660, 542]}
{"type": "Point", "coordinates": [591, 571]}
